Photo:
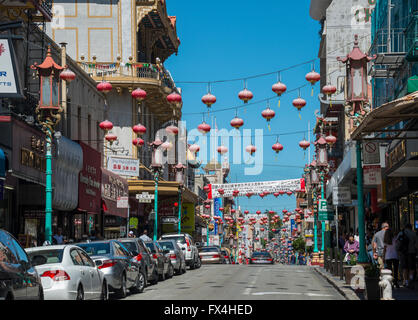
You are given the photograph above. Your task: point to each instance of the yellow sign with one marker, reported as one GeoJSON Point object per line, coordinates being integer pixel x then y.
{"type": "Point", "coordinates": [187, 217]}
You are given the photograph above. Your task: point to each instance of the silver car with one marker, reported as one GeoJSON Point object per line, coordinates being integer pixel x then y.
{"type": "Point", "coordinates": [121, 270]}
{"type": "Point", "coordinates": [211, 254]}
{"type": "Point", "coordinates": [175, 254]}
{"type": "Point", "coordinates": [68, 273]}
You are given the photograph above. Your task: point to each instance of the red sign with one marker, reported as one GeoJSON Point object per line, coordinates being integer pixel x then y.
{"type": "Point", "coordinates": [90, 180]}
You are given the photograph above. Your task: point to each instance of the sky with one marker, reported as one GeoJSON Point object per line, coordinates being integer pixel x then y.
{"type": "Point", "coordinates": [223, 40]}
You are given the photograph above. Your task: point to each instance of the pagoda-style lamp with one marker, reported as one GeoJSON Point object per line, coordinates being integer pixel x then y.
{"type": "Point", "coordinates": [156, 166]}
{"type": "Point", "coordinates": [180, 179]}
{"type": "Point", "coordinates": [48, 115]}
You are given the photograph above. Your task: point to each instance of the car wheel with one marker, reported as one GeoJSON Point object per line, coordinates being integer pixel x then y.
{"type": "Point", "coordinates": [122, 292]}
{"type": "Point", "coordinates": [198, 263]}
{"type": "Point", "coordinates": [105, 292]}
{"type": "Point", "coordinates": [80, 293]}
{"type": "Point", "coordinates": [193, 265]}
{"type": "Point", "coordinates": [183, 271]}
{"type": "Point", "coordinates": [140, 283]}
{"type": "Point", "coordinates": [170, 271]}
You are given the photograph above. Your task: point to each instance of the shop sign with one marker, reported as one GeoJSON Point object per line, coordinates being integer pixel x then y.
{"type": "Point", "coordinates": [90, 180]}
{"type": "Point", "coordinates": [397, 155]}
{"type": "Point", "coordinates": [9, 78]}
{"type": "Point", "coordinates": [187, 218]}
{"type": "Point", "coordinates": [123, 166]}
{"type": "Point", "coordinates": [341, 195]}
{"type": "Point", "coordinates": [133, 223]}
{"type": "Point", "coordinates": [371, 152]}
{"type": "Point", "coordinates": [66, 168]}
{"type": "Point", "coordinates": [169, 220]}
{"type": "Point", "coordinates": [114, 187]}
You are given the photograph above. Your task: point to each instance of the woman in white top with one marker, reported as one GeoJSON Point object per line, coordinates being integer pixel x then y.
{"type": "Point", "coordinates": [391, 255]}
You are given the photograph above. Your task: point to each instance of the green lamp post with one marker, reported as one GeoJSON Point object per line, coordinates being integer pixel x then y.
{"type": "Point", "coordinates": [314, 179]}
{"type": "Point", "coordinates": [48, 115]}
{"type": "Point", "coordinates": [156, 166]}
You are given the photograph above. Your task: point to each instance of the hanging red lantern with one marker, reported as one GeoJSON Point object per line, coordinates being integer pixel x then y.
{"type": "Point", "coordinates": [203, 127]}
{"type": "Point", "coordinates": [313, 77]}
{"type": "Point", "coordinates": [245, 95]}
{"type": "Point", "coordinates": [221, 209]}
{"type": "Point", "coordinates": [172, 129]}
{"type": "Point", "coordinates": [261, 229]}
{"type": "Point", "coordinates": [237, 122]}
{"type": "Point", "coordinates": [330, 139]}
{"type": "Point", "coordinates": [251, 149]}
{"type": "Point", "coordinates": [138, 142]}
{"type": "Point", "coordinates": [249, 194]}
{"type": "Point", "coordinates": [67, 75]}
{"type": "Point", "coordinates": [299, 103]}
{"type": "Point", "coordinates": [235, 193]}
{"type": "Point", "coordinates": [104, 87]}
{"type": "Point", "coordinates": [277, 147]}
{"type": "Point", "coordinates": [208, 99]}
{"type": "Point", "coordinates": [106, 125]}
{"type": "Point", "coordinates": [284, 211]}
{"type": "Point", "coordinates": [329, 90]}
{"type": "Point", "coordinates": [289, 193]}
{"type": "Point", "coordinates": [221, 191]}
{"type": "Point", "coordinates": [271, 212]}
{"type": "Point", "coordinates": [276, 194]}
{"type": "Point", "coordinates": [279, 88]}
{"type": "Point", "coordinates": [282, 192]}
{"type": "Point", "coordinates": [110, 137]}
{"type": "Point", "coordinates": [258, 212]}
{"type": "Point", "coordinates": [174, 99]}
{"type": "Point", "coordinates": [262, 195]}
{"type": "Point", "coordinates": [139, 94]}
{"type": "Point", "coordinates": [206, 189]}
{"type": "Point", "coordinates": [304, 144]}
{"type": "Point", "coordinates": [268, 114]}
{"type": "Point", "coordinates": [246, 212]}
{"type": "Point", "coordinates": [222, 149]}
{"type": "Point", "coordinates": [207, 206]}
{"type": "Point", "coordinates": [139, 129]}
{"type": "Point", "coordinates": [233, 211]}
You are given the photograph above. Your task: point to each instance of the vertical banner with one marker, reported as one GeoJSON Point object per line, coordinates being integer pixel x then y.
{"type": "Point", "coordinates": [187, 218]}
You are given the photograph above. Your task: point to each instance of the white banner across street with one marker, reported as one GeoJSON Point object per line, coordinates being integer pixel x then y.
{"type": "Point", "coordinates": [258, 187]}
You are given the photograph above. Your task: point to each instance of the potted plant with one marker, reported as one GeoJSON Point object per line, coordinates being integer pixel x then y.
{"type": "Point", "coordinates": [371, 281]}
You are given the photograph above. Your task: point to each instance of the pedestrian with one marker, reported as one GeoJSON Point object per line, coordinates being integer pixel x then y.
{"type": "Point", "coordinates": [391, 255]}
{"type": "Point", "coordinates": [58, 238]}
{"type": "Point", "coordinates": [351, 248]}
{"type": "Point", "coordinates": [144, 236]}
{"type": "Point", "coordinates": [407, 247]}
{"type": "Point", "coordinates": [131, 234]}
{"type": "Point", "coordinates": [379, 246]}
{"type": "Point", "coordinates": [341, 241]}
{"type": "Point", "coordinates": [93, 236]}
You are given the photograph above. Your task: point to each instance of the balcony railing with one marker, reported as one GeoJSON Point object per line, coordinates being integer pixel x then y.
{"type": "Point", "coordinates": [132, 70]}
{"type": "Point", "coordinates": [412, 39]}
{"type": "Point", "coordinates": [382, 45]}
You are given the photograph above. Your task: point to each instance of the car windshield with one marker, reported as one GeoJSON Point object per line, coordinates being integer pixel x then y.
{"type": "Point", "coordinates": [261, 254]}
{"type": "Point", "coordinates": [209, 249]}
{"type": "Point", "coordinates": [150, 246]}
{"type": "Point", "coordinates": [166, 245]}
{"type": "Point", "coordinates": [130, 246]}
{"type": "Point", "coordinates": [41, 257]}
{"type": "Point", "coordinates": [178, 239]}
{"type": "Point", "coordinates": [95, 249]}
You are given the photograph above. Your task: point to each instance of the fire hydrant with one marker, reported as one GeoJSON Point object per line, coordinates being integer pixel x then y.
{"type": "Point", "coordinates": [385, 284]}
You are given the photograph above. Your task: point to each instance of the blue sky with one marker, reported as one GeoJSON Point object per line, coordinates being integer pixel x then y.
{"type": "Point", "coordinates": [237, 39]}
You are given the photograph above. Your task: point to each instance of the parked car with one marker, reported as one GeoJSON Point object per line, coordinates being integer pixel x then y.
{"type": "Point", "coordinates": [227, 256]}
{"type": "Point", "coordinates": [121, 270]}
{"type": "Point", "coordinates": [186, 243]}
{"type": "Point", "coordinates": [211, 254]}
{"type": "Point", "coordinates": [142, 253]}
{"type": "Point", "coordinates": [261, 257]}
{"type": "Point", "coordinates": [175, 254]}
{"type": "Point", "coordinates": [68, 273]}
{"type": "Point", "coordinates": [165, 268]}
{"type": "Point", "coordinates": [19, 280]}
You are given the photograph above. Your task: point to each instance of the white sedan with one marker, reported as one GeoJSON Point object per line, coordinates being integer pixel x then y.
{"type": "Point", "coordinates": [68, 273]}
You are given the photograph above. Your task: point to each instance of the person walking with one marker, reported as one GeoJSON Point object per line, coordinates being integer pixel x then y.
{"type": "Point", "coordinates": [407, 247]}
{"type": "Point", "coordinates": [351, 248]}
{"type": "Point", "coordinates": [379, 246]}
{"type": "Point", "coordinates": [144, 236]}
{"type": "Point", "coordinates": [58, 238]}
{"type": "Point", "coordinates": [391, 255]}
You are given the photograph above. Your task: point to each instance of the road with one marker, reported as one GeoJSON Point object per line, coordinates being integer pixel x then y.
{"type": "Point", "coordinates": [243, 282]}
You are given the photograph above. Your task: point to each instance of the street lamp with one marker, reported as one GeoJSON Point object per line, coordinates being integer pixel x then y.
{"type": "Point", "coordinates": [156, 166]}
{"type": "Point", "coordinates": [48, 115]}
{"type": "Point", "coordinates": [180, 179]}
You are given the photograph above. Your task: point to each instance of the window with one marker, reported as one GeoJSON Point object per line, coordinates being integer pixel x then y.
{"type": "Point", "coordinates": [6, 254]}
{"type": "Point", "coordinates": [118, 249]}
{"type": "Point", "coordinates": [75, 257]}
{"type": "Point", "coordinates": [86, 259]}
{"type": "Point", "coordinates": [142, 247]}
{"type": "Point", "coordinates": [131, 246]}
{"type": "Point", "coordinates": [41, 257]}
{"type": "Point", "coordinates": [93, 249]}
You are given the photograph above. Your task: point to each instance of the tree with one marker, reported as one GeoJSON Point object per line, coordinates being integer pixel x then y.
{"type": "Point", "coordinates": [299, 245]}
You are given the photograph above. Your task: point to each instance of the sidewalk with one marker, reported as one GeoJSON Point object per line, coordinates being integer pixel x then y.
{"type": "Point", "coordinates": [346, 290]}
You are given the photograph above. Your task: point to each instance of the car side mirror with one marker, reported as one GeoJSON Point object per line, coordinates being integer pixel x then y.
{"type": "Point", "coordinates": [183, 248]}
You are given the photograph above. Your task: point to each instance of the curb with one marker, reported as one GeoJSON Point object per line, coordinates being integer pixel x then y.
{"type": "Point", "coordinates": [346, 293]}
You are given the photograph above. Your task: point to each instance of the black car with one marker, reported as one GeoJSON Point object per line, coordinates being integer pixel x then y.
{"type": "Point", "coordinates": [261, 257]}
{"type": "Point", "coordinates": [142, 253]}
{"type": "Point", "coordinates": [18, 278]}
{"type": "Point", "coordinates": [165, 268]}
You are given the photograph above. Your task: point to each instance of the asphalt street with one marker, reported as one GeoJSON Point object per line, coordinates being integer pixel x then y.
{"type": "Point", "coordinates": [243, 282]}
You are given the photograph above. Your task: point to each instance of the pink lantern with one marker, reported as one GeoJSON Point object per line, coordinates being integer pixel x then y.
{"type": "Point", "coordinates": [110, 137]}
{"type": "Point", "coordinates": [330, 139]}
{"type": "Point", "coordinates": [67, 75]}
{"type": "Point", "coordinates": [139, 129]}
{"type": "Point", "coordinates": [251, 149]}
{"type": "Point", "coordinates": [172, 129]}
{"type": "Point", "coordinates": [304, 144]}
{"type": "Point", "coordinates": [237, 122]}
{"type": "Point", "coordinates": [277, 147]}
{"type": "Point", "coordinates": [106, 125]}
{"type": "Point", "coordinates": [245, 95]}
{"type": "Point", "coordinates": [138, 142]}
{"type": "Point", "coordinates": [208, 99]}
{"type": "Point", "coordinates": [268, 114]}
{"type": "Point", "coordinates": [139, 94]}
{"type": "Point", "coordinates": [174, 99]}
{"type": "Point", "coordinates": [221, 191]}
{"type": "Point", "coordinates": [104, 87]}
{"type": "Point", "coordinates": [203, 127]}
{"type": "Point", "coordinates": [276, 194]}
{"type": "Point", "coordinates": [222, 150]}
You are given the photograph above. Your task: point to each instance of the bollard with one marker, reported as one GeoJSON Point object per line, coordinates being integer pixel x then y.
{"type": "Point", "coordinates": [385, 284]}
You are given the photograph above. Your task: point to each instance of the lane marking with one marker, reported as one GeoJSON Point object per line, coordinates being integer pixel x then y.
{"type": "Point", "coordinates": [247, 291]}
{"type": "Point", "coordinates": [291, 293]}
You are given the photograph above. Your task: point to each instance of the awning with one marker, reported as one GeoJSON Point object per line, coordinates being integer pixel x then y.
{"type": "Point", "coordinates": [387, 115]}
{"type": "Point", "coordinates": [2, 164]}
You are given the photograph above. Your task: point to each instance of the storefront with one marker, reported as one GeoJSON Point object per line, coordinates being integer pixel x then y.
{"type": "Point", "coordinates": [115, 211]}
{"type": "Point", "coordinates": [88, 216]}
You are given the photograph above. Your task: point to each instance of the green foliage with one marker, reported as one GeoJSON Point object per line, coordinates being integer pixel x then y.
{"type": "Point", "coordinates": [372, 271]}
{"type": "Point", "coordinates": [299, 245]}
{"type": "Point", "coordinates": [353, 260]}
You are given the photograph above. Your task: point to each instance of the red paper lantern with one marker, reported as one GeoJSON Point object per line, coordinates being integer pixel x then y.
{"type": "Point", "coordinates": [203, 127]}
{"type": "Point", "coordinates": [232, 211]}
{"type": "Point", "coordinates": [110, 137]}
{"type": "Point", "coordinates": [304, 144]}
{"type": "Point", "coordinates": [174, 99]}
{"type": "Point", "coordinates": [279, 88]}
{"type": "Point", "coordinates": [237, 122]}
{"type": "Point", "coordinates": [289, 193]}
{"type": "Point", "coordinates": [249, 194]}
{"type": "Point", "coordinates": [139, 129]}
{"type": "Point", "coordinates": [106, 125]}
{"type": "Point", "coordinates": [139, 94]}
{"type": "Point", "coordinates": [330, 139]}
{"type": "Point", "coordinates": [245, 95]}
{"type": "Point", "coordinates": [258, 212]}
{"type": "Point", "coordinates": [221, 191]}
{"type": "Point", "coordinates": [246, 212]}
{"type": "Point", "coordinates": [268, 114]}
{"type": "Point", "coordinates": [251, 149]}
{"type": "Point", "coordinates": [276, 194]}
{"type": "Point", "coordinates": [222, 150]}
{"type": "Point", "coordinates": [329, 89]}
{"type": "Point", "coordinates": [138, 142]}
{"type": "Point", "coordinates": [67, 75]}
{"type": "Point", "coordinates": [208, 99]}
{"type": "Point", "coordinates": [104, 87]}
{"type": "Point", "coordinates": [299, 103]}
{"type": "Point", "coordinates": [221, 209]}
{"type": "Point", "coordinates": [277, 147]}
